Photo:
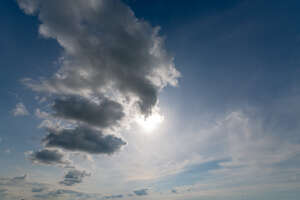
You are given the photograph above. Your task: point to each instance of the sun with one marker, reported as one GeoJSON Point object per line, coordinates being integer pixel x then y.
{"type": "Point", "coordinates": [150, 123]}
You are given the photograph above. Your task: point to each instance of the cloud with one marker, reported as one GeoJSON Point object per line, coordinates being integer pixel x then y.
{"type": "Point", "coordinates": [67, 194]}
{"type": "Point", "coordinates": [83, 139]}
{"type": "Point", "coordinates": [7, 151]}
{"type": "Point", "coordinates": [20, 110]}
{"type": "Point", "coordinates": [37, 190]}
{"type": "Point", "coordinates": [20, 178]}
{"type": "Point", "coordinates": [48, 157]}
{"type": "Point", "coordinates": [141, 192]}
{"type": "Point", "coordinates": [19, 188]}
{"type": "Point", "coordinates": [119, 196]}
{"type": "Point", "coordinates": [104, 114]}
{"type": "Point", "coordinates": [107, 50]}
{"type": "Point", "coordinates": [113, 66]}
{"type": "Point", "coordinates": [74, 177]}
{"type": "Point", "coordinates": [29, 6]}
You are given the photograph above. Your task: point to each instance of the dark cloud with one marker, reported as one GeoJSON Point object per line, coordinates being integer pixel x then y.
{"type": "Point", "coordinates": [3, 191]}
{"type": "Point", "coordinates": [20, 178]}
{"type": "Point", "coordinates": [74, 177]}
{"type": "Point", "coordinates": [106, 50]}
{"type": "Point", "coordinates": [36, 190]}
{"type": "Point", "coordinates": [83, 139]}
{"type": "Point", "coordinates": [141, 192]}
{"type": "Point", "coordinates": [114, 196]}
{"type": "Point", "coordinates": [48, 157]}
{"type": "Point", "coordinates": [113, 65]}
{"type": "Point", "coordinates": [104, 114]}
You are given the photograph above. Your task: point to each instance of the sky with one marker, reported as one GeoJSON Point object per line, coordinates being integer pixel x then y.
{"type": "Point", "coordinates": [149, 100]}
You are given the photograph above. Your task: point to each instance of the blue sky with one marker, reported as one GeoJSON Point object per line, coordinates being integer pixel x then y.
{"type": "Point", "coordinates": [159, 99]}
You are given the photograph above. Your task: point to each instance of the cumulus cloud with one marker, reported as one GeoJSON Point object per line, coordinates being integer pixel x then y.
{"type": "Point", "coordinates": [112, 67]}
{"type": "Point", "coordinates": [20, 110]}
{"type": "Point", "coordinates": [48, 157]}
{"type": "Point", "coordinates": [73, 177]}
{"type": "Point", "coordinates": [106, 113]}
{"type": "Point", "coordinates": [107, 50]}
{"type": "Point", "coordinates": [83, 139]}
{"type": "Point", "coordinates": [141, 192]}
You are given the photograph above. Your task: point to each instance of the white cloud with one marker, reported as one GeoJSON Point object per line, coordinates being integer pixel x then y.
{"type": "Point", "coordinates": [20, 110]}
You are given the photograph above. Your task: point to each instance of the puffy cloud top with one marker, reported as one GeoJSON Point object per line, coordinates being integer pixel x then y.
{"type": "Point", "coordinates": [107, 50]}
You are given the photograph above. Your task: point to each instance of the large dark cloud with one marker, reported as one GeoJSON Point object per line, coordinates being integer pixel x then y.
{"type": "Point", "coordinates": [106, 50]}
{"type": "Point", "coordinates": [141, 192]}
{"type": "Point", "coordinates": [112, 67]}
{"type": "Point", "coordinates": [104, 114]}
{"type": "Point", "coordinates": [83, 139]}
{"type": "Point", "coordinates": [73, 177]}
{"type": "Point", "coordinates": [48, 157]}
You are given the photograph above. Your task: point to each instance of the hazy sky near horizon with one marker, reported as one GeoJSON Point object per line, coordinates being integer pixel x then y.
{"type": "Point", "coordinates": [139, 99]}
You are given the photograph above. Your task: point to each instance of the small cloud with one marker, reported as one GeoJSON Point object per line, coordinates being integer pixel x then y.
{"type": "Point", "coordinates": [36, 190]}
{"type": "Point", "coordinates": [141, 192]}
{"type": "Point", "coordinates": [20, 110]}
{"type": "Point", "coordinates": [20, 178]}
{"type": "Point", "coordinates": [114, 196]}
{"type": "Point", "coordinates": [7, 151]}
{"type": "Point", "coordinates": [48, 157]}
{"type": "Point", "coordinates": [73, 177]}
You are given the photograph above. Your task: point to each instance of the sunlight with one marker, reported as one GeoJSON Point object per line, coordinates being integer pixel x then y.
{"type": "Point", "coordinates": [151, 122]}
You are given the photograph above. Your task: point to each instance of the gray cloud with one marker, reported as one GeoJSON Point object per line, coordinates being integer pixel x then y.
{"type": "Point", "coordinates": [141, 192]}
{"type": "Point", "coordinates": [104, 114]}
{"type": "Point", "coordinates": [70, 193]}
{"type": "Point", "coordinates": [113, 66]}
{"type": "Point", "coordinates": [114, 196]}
{"type": "Point", "coordinates": [37, 190]}
{"type": "Point", "coordinates": [106, 50]}
{"type": "Point", "coordinates": [74, 177]}
{"type": "Point", "coordinates": [83, 139]}
{"type": "Point", "coordinates": [20, 178]}
{"type": "Point", "coordinates": [48, 157]}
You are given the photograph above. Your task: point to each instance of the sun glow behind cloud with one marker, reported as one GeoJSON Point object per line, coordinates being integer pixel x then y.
{"type": "Point", "coordinates": [150, 123]}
